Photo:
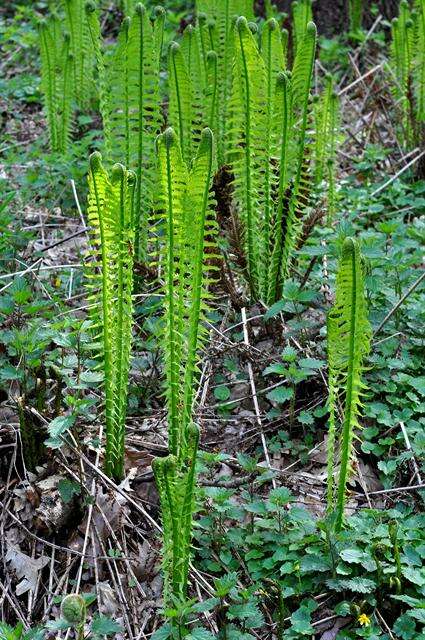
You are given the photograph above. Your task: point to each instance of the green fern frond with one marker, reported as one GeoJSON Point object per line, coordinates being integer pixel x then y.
{"type": "Point", "coordinates": [274, 63]}
{"type": "Point", "coordinates": [248, 152]}
{"type": "Point", "coordinates": [180, 111]}
{"type": "Point", "coordinates": [110, 284]}
{"type": "Point", "coordinates": [173, 178]}
{"type": "Point", "coordinates": [326, 130]}
{"type": "Point", "coordinates": [48, 57]}
{"type": "Point", "coordinates": [419, 60]}
{"type": "Point", "coordinates": [187, 221]}
{"type": "Point", "coordinates": [217, 18]}
{"type": "Point", "coordinates": [356, 15]}
{"type": "Point", "coordinates": [56, 82]}
{"type": "Point", "coordinates": [349, 335]}
{"type": "Point", "coordinates": [81, 50]}
{"type": "Point", "coordinates": [301, 86]}
{"type": "Point", "coordinates": [302, 14]}
{"type": "Point", "coordinates": [284, 117]}
{"type": "Point", "coordinates": [188, 227]}
{"type": "Point", "coordinates": [93, 24]}
{"type": "Point", "coordinates": [133, 111]}
{"type": "Point", "coordinates": [407, 69]}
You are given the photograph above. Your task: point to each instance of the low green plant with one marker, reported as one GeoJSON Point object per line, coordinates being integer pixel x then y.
{"type": "Point", "coordinates": [349, 335]}
{"type": "Point", "coordinates": [56, 82]}
{"type": "Point", "coordinates": [186, 219]}
{"type": "Point", "coordinates": [7, 632]}
{"type": "Point", "coordinates": [110, 285]}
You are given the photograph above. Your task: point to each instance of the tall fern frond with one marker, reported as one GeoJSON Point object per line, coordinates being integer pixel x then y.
{"type": "Point", "coordinates": [284, 120]}
{"type": "Point", "coordinates": [48, 57]}
{"type": "Point", "coordinates": [302, 14]}
{"type": "Point", "coordinates": [349, 335]}
{"type": "Point", "coordinates": [81, 50]}
{"type": "Point", "coordinates": [326, 115]}
{"type": "Point", "coordinates": [274, 62]}
{"type": "Point", "coordinates": [419, 60]}
{"type": "Point", "coordinates": [248, 154]}
{"type": "Point", "coordinates": [134, 112]}
{"type": "Point", "coordinates": [181, 113]}
{"type": "Point", "coordinates": [301, 86]}
{"type": "Point", "coordinates": [56, 82]}
{"type": "Point", "coordinates": [356, 14]}
{"type": "Point", "coordinates": [404, 32]}
{"type": "Point", "coordinates": [110, 284]}
{"type": "Point", "coordinates": [173, 178]}
{"type": "Point", "coordinates": [219, 17]}
{"type": "Point", "coordinates": [185, 215]}
{"type": "Point", "coordinates": [93, 23]}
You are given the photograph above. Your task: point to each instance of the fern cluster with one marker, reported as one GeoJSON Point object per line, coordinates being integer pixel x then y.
{"type": "Point", "coordinates": [269, 154]}
{"type": "Point", "coordinates": [110, 285]}
{"type": "Point", "coordinates": [408, 68]}
{"type": "Point", "coordinates": [349, 335]}
{"type": "Point", "coordinates": [187, 223]}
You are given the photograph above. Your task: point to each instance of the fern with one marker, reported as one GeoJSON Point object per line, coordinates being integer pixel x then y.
{"type": "Point", "coordinates": [80, 47]}
{"type": "Point", "coordinates": [133, 111]}
{"type": "Point", "coordinates": [186, 218]}
{"type": "Point", "coordinates": [356, 14]}
{"type": "Point", "coordinates": [93, 23]}
{"type": "Point", "coordinates": [298, 200]}
{"type": "Point", "coordinates": [56, 82]}
{"type": "Point", "coordinates": [349, 336]}
{"type": "Point", "coordinates": [268, 156]}
{"type": "Point", "coordinates": [326, 131]}
{"type": "Point", "coordinates": [274, 61]}
{"type": "Point", "coordinates": [181, 112]}
{"type": "Point", "coordinates": [219, 17]}
{"type": "Point", "coordinates": [419, 60]}
{"type": "Point", "coordinates": [110, 283]}
{"type": "Point", "coordinates": [248, 153]}
{"type": "Point", "coordinates": [302, 14]}
{"type": "Point", "coordinates": [407, 67]}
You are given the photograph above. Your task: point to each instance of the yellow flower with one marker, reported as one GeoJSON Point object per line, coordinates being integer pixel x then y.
{"type": "Point", "coordinates": [363, 620]}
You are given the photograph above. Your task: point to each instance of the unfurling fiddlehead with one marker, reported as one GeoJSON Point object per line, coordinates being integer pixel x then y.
{"type": "Point", "coordinates": [110, 283]}
{"type": "Point", "coordinates": [188, 226]}
{"type": "Point", "coordinates": [349, 336]}
{"type": "Point", "coordinates": [269, 151]}
{"type": "Point", "coordinates": [56, 82]}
